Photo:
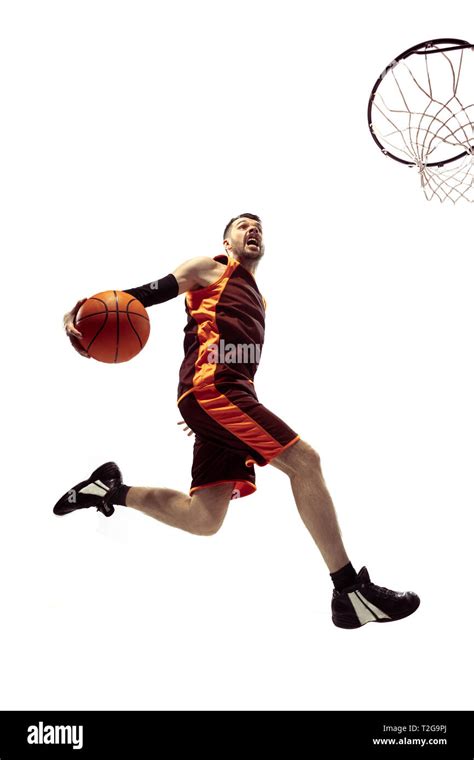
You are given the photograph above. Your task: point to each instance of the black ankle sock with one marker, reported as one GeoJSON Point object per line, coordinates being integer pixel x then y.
{"type": "Point", "coordinates": [344, 577]}
{"type": "Point", "coordinates": [120, 495]}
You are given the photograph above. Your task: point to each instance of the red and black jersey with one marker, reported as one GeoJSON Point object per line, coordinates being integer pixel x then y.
{"type": "Point", "coordinates": [224, 333]}
{"type": "Point", "coordinates": [217, 399]}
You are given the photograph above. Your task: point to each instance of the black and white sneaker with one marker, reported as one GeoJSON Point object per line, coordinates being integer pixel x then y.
{"type": "Point", "coordinates": [96, 491]}
{"type": "Point", "coordinates": [364, 602]}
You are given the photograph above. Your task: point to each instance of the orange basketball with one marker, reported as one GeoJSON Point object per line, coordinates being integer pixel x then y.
{"type": "Point", "coordinates": [114, 326]}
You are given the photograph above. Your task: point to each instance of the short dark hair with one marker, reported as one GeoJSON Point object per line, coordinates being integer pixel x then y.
{"type": "Point", "coordinates": [247, 216]}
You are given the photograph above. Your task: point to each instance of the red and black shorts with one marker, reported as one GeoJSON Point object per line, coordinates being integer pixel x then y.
{"type": "Point", "coordinates": [233, 432]}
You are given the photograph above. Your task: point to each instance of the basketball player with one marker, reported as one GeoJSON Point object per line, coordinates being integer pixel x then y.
{"type": "Point", "coordinates": [234, 431]}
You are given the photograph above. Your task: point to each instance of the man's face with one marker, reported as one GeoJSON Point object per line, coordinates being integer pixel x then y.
{"type": "Point", "coordinates": [245, 239]}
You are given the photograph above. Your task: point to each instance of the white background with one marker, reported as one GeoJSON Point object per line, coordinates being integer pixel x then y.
{"type": "Point", "coordinates": [130, 133]}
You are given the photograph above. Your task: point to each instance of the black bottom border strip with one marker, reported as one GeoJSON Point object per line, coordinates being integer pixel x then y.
{"type": "Point", "coordinates": [142, 734]}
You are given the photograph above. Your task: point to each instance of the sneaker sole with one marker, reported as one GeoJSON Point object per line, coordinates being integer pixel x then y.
{"type": "Point", "coordinates": [349, 623]}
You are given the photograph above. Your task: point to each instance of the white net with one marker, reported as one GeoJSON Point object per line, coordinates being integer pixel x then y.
{"type": "Point", "coordinates": [453, 181]}
{"type": "Point", "coordinates": [423, 114]}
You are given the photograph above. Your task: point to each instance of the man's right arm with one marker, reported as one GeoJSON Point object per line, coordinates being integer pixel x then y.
{"type": "Point", "coordinates": [191, 275]}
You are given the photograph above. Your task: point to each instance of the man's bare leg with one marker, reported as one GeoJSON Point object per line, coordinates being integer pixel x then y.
{"type": "Point", "coordinates": [202, 513]}
{"type": "Point", "coordinates": [302, 464]}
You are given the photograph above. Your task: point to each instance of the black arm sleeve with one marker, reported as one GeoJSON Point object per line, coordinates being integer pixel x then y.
{"type": "Point", "coordinates": [158, 291]}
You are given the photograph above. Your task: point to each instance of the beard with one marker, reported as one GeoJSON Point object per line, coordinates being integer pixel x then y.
{"type": "Point", "coordinates": [249, 254]}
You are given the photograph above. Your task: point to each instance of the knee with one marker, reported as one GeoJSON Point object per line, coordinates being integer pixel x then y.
{"type": "Point", "coordinates": [208, 508]}
{"type": "Point", "coordinates": [208, 525]}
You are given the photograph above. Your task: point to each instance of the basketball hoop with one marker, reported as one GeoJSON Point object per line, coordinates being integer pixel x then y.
{"type": "Point", "coordinates": [421, 113]}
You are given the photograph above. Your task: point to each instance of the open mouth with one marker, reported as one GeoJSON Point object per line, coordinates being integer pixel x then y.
{"type": "Point", "coordinates": [253, 241]}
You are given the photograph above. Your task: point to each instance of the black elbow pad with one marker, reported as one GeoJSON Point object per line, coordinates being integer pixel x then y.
{"type": "Point", "coordinates": [157, 291]}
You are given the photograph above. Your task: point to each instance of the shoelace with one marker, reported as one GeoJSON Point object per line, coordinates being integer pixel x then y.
{"type": "Point", "coordinates": [381, 590]}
